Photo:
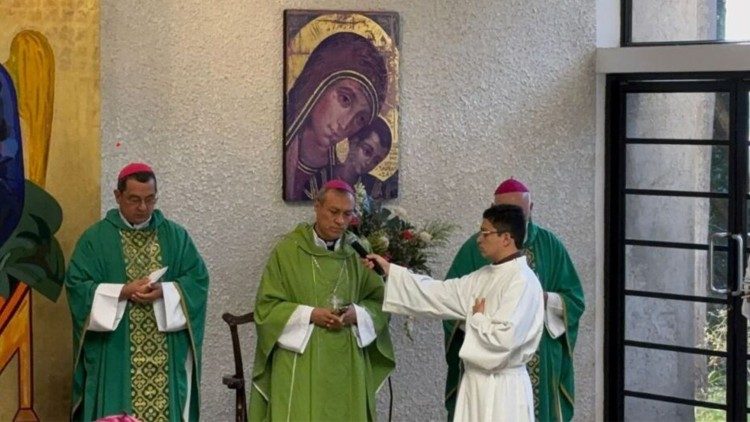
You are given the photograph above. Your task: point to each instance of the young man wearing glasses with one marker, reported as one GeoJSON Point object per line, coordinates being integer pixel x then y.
{"type": "Point", "coordinates": [137, 331]}
{"type": "Point", "coordinates": [551, 368]}
{"type": "Point", "coordinates": [502, 306]}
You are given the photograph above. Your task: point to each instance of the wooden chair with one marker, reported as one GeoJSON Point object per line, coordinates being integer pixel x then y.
{"type": "Point", "coordinates": [237, 381]}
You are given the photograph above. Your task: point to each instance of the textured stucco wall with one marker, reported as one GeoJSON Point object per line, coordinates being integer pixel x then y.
{"type": "Point", "coordinates": [489, 89]}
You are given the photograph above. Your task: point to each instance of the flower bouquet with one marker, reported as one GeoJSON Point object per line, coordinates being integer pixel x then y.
{"type": "Point", "coordinates": [392, 236]}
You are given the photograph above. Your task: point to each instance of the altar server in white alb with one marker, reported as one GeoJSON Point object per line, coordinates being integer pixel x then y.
{"type": "Point", "coordinates": [502, 306]}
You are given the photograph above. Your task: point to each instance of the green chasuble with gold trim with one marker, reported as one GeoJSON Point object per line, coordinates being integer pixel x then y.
{"type": "Point", "coordinates": [136, 369]}
{"type": "Point", "coordinates": [333, 379]}
{"type": "Point", "coordinates": [551, 369]}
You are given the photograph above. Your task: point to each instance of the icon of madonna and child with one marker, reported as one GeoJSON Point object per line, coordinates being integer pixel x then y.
{"type": "Point", "coordinates": [341, 104]}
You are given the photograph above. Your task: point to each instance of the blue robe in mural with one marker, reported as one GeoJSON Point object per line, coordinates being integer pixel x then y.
{"type": "Point", "coordinates": [11, 159]}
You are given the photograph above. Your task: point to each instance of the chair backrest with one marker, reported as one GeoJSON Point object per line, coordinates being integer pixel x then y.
{"type": "Point", "coordinates": [237, 381]}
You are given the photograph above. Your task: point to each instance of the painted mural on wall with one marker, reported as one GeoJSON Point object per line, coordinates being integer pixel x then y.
{"type": "Point", "coordinates": [30, 256]}
{"type": "Point", "coordinates": [341, 101]}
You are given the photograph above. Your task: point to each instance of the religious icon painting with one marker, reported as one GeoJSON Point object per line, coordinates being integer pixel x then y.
{"type": "Point", "coordinates": [340, 101]}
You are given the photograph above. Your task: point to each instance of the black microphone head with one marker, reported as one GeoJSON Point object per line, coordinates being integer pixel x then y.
{"type": "Point", "coordinates": [362, 252]}
{"type": "Point", "coordinates": [352, 241]}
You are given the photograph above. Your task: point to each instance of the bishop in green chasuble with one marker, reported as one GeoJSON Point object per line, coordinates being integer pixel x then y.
{"type": "Point", "coordinates": [321, 373]}
{"type": "Point", "coordinates": [136, 356]}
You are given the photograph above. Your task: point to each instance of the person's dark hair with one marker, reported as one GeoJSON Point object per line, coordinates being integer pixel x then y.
{"type": "Point", "coordinates": [507, 218]}
{"type": "Point", "coordinates": [141, 176]}
{"type": "Point", "coordinates": [380, 127]}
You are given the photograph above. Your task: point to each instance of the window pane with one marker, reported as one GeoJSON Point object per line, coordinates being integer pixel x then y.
{"type": "Point", "coordinates": [736, 26]}
{"type": "Point", "coordinates": [639, 410]}
{"type": "Point", "coordinates": [673, 219]}
{"type": "Point", "coordinates": [675, 271]}
{"type": "Point", "coordinates": [676, 167]}
{"type": "Point", "coordinates": [681, 115]}
{"type": "Point", "coordinates": [675, 374]}
{"type": "Point", "coordinates": [676, 322]}
{"type": "Point", "coordinates": [690, 20]}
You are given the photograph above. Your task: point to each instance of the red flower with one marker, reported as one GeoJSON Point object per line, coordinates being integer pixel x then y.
{"type": "Point", "coordinates": [354, 221]}
{"type": "Point", "coordinates": [407, 234]}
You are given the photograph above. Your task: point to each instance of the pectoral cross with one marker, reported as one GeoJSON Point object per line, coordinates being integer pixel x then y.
{"type": "Point", "coordinates": [336, 302]}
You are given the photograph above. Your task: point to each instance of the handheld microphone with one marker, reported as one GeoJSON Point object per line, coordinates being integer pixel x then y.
{"type": "Point", "coordinates": [363, 254]}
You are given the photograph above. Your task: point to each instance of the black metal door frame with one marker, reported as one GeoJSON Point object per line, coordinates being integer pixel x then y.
{"type": "Point", "coordinates": [737, 85]}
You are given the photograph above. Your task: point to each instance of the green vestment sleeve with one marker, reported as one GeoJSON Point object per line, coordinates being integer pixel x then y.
{"type": "Point", "coordinates": [379, 354]}
{"type": "Point", "coordinates": [190, 275]}
{"type": "Point", "coordinates": [94, 261]}
{"type": "Point", "coordinates": [272, 311]}
{"type": "Point", "coordinates": [556, 391]}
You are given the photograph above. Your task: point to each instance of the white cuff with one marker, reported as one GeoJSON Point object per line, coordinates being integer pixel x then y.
{"type": "Point", "coordinates": [364, 331]}
{"type": "Point", "coordinates": [107, 309]}
{"type": "Point", "coordinates": [476, 320]}
{"type": "Point", "coordinates": [297, 331]}
{"type": "Point", "coordinates": [554, 315]}
{"type": "Point", "coordinates": [168, 310]}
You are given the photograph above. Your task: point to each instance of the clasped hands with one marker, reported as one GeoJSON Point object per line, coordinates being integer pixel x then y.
{"type": "Point", "coordinates": [140, 291]}
{"type": "Point", "coordinates": [333, 321]}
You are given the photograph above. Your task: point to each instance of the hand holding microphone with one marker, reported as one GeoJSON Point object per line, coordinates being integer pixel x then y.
{"type": "Point", "coordinates": [371, 261]}
{"type": "Point", "coordinates": [376, 261]}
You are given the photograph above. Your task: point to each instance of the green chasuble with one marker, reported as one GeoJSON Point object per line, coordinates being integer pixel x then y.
{"type": "Point", "coordinates": [333, 379]}
{"type": "Point", "coordinates": [551, 369]}
{"type": "Point", "coordinates": [136, 369]}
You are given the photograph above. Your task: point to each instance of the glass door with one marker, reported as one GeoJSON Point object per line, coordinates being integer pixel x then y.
{"type": "Point", "coordinates": [675, 340]}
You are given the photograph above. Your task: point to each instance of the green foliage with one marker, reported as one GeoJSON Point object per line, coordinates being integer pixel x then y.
{"type": "Point", "coordinates": [716, 320]}
{"type": "Point", "coordinates": [32, 254]}
{"type": "Point", "coordinates": [716, 381]}
{"type": "Point", "coordinates": [394, 237]}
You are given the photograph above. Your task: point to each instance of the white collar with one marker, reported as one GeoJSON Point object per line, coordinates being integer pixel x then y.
{"type": "Point", "coordinates": [322, 243]}
{"type": "Point", "coordinates": [138, 226]}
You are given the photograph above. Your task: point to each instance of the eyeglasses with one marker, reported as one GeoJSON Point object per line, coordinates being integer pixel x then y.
{"type": "Point", "coordinates": [136, 200]}
{"type": "Point", "coordinates": [335, 213]}
{"type": "Point", "coordinates": [485, 233]}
